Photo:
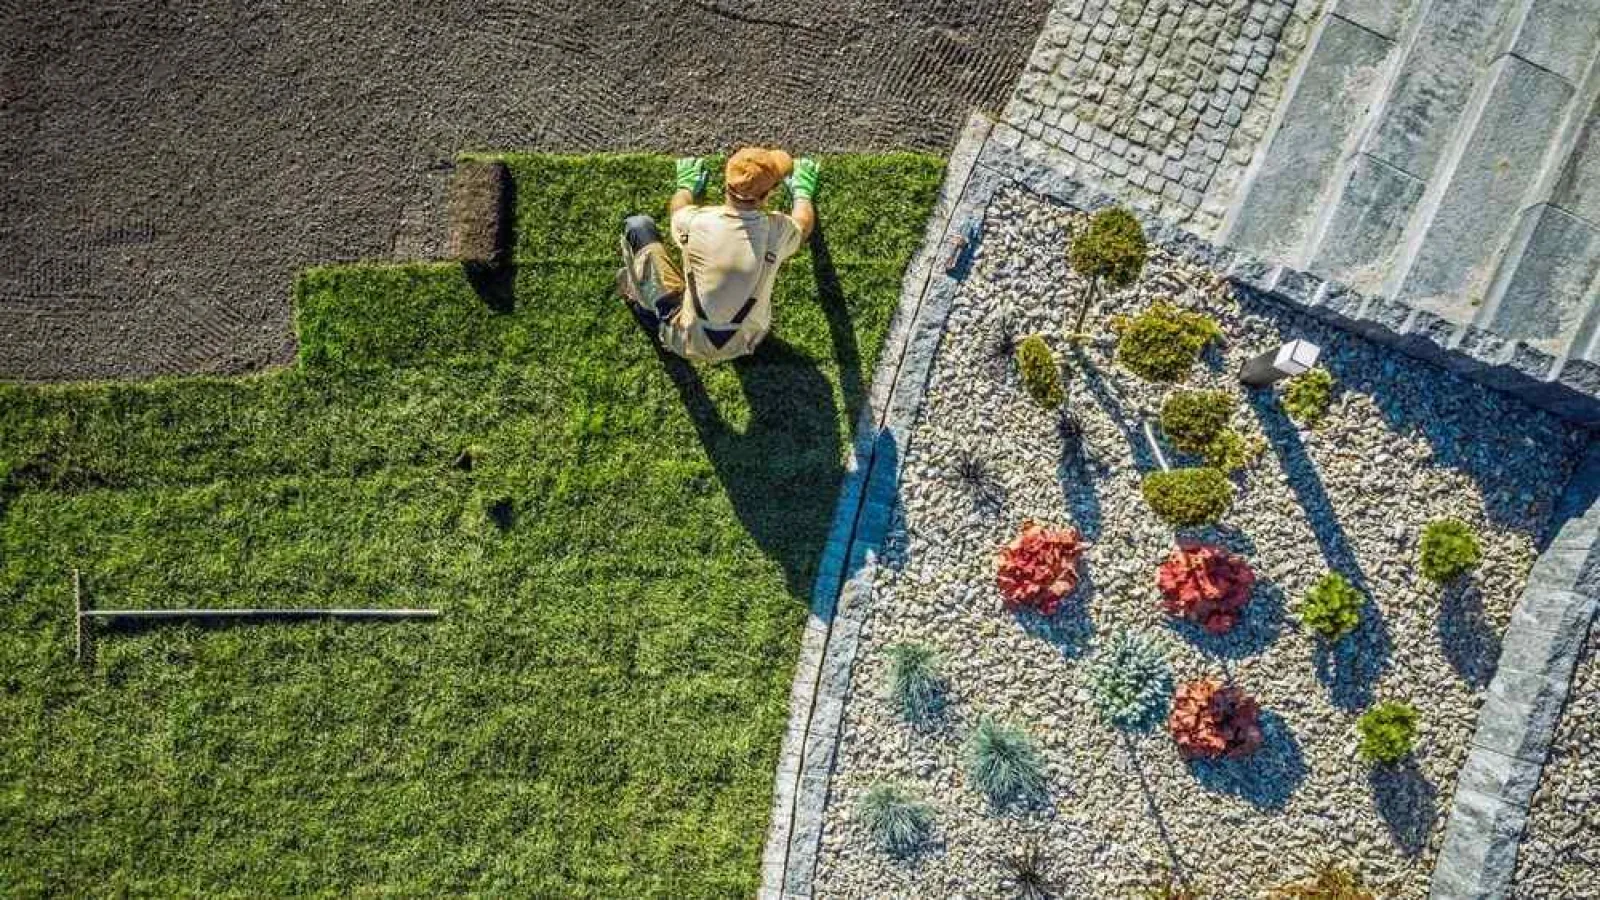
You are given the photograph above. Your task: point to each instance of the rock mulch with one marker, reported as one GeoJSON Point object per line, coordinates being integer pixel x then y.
{"type": "Point", "coordinates": [1560, 853]}
{"type": "Point", "coordinates": [1404, 443]}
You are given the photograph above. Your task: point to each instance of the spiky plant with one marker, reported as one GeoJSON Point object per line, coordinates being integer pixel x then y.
{"type": "Point", "coordinates": [1002, 341]}
{"type": "Point", "coordinates": [1003, 763]}
{"type": "Point", "coordinates": [897, 820]}
{"type": "Point", "coordinates": [915, 686]}
{"type": "Point", "coordinates": [1028, 871]}
{"type": "Point", "coordinates": [1130, 681]}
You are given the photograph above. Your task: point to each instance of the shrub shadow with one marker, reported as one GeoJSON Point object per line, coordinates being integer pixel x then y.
{"type": "Point", "coordinates": [1468, 639]}
{"type": "Point", "coordinates": [1107, 396]}
{"type": "Point", "coordinates": [1070, 630]}
{"type": "Point", "coordinates": [1083, 501]}
{"type": "Point", "coordinates": [1178, 868]}
{"type": "Point", "coordinates": [1352, 666]}
{"type": "Point", "coordinates": [1266, 779]}
{"type": "Point", "coordinates": [1407, 802]}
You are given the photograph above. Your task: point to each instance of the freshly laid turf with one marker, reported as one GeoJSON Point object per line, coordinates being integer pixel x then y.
{"type": "Point", "coordinates": [622, 546]}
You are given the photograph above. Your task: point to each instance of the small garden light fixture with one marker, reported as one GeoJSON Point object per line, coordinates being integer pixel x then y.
{"type": "Point", "coordinates": [1275, 365]}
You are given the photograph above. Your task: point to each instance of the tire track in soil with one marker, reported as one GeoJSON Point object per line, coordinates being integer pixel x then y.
{"type": "Point", "coordinates": [166, 168]}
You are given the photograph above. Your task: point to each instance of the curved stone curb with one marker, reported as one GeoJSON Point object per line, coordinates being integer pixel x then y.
{"type": "Point", "coordinates": [1525, 701]}
{"type": "Point", "coordinates": [861, 519]}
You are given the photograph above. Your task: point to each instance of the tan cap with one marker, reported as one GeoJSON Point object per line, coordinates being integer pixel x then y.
{"type": "Point", "coordinates": [753, 171]}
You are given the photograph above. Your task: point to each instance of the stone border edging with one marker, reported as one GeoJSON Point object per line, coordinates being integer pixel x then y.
{"type": "Point", "coordinates": [861, 519]}
{"type": "Point", "coordinates": [1518, 718]}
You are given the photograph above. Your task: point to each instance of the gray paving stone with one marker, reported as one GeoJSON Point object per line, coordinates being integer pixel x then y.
{"type": "Point", "coordinates": [1368, 220]}
{"type": "Point", "coordinates": [1559, 36]}
{"type": "Point", "coordinates": [1549, 281]}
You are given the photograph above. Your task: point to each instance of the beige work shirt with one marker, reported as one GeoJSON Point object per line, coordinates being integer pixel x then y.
{"type": "Point", "coordinates": [722, 257]}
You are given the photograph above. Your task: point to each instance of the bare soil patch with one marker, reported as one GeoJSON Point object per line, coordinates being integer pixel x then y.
{"type": "Point", "coordinates": [166, 168]}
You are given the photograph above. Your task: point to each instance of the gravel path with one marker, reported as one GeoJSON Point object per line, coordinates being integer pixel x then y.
{"type": "Point", "coordinates": [1560, 853]}
{"type": "Point", "coordinates": [166, 168]}
{"type": "Point", "coordinates": [1405, 443]}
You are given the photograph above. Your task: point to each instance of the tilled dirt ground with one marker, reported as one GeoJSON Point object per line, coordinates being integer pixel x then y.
{"type": "Point", "coordinates": [166, 166]}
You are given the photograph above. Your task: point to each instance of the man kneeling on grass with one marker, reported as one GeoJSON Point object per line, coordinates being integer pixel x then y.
{"type": "Point", "coordinates": [720, 305]}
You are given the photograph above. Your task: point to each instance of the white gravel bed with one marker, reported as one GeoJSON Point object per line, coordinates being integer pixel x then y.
{"type": "Point", "coordinates": [1560, 852]}
{"type": "Point", "coordinates": [1405, 443]}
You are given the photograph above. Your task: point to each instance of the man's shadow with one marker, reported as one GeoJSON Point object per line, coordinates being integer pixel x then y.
{"type": "Point", "coordinates": [782, 472]}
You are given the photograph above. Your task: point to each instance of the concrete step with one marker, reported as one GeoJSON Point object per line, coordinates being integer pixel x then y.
{"type": "Point", "coordinates": [1447, 53]}
{"type": "Point", "coordinates": [1448, 259]}
{"type": "Point", "coordinates": [1339, 79]}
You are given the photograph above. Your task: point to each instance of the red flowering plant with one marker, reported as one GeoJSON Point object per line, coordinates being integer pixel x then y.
{"type": "Point", "coordinates": [1206, 585]}
{"type": "Point", "coordinates": [1210, 721]}
{"type": "Point", "coordinates": [1039, 568]}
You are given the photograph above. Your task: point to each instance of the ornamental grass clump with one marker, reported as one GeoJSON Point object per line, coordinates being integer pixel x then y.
{"type": "Point", "coordinates": [1003, 763]}
{"type": "Point", "coordinates": [1206, 585]}
{"type": "Point", "coordinates": [1329, 882]}
{"type": "Point", "coordinates": [1188, 497]}
{"type": "Point", "coordinates": [1040, 374]}
{"type": "Point", "coordinates": [1306, 396]}
{"type": "Point", "coordinates": [916, 688]}
{"type": "Point", "coordinates": [1388, 732]}
{"type": "Point", "coordinates": [1129, 681]}
{"type": "Point", "coordinates": [1039, 568]}
{"type": "Point", "coordinates": [1332, 608]}
{"type": "Point", "coordinates": [1163, 342]}
{"type": "Point", "coordinates": [1449, 548]}
{"type": "Point", "coordinates": [1110, 253]}
{"type": "Point", "coordinates": [899, 823]}
{"type": "Point", "coordinates": [1211, 721]}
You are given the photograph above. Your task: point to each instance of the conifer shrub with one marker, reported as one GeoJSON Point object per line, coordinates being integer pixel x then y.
{"type": "Point", "coordinates": [1004, 764]}
{"type": "Point", "coordinates": [916, 688]}
{"type": "Point", "coordinates": [1388, 732]}
{"type": "Point", "coordinates": [1307, 396]}
{"type": "Point", "coordinates": [1230, 452]}
{"type": "Point", "coordinates": [1191, 420]}
{"type": "Point", "coordinates": [1332, 608]}
{"type": "Point", "coordinates": [1129, 680]}
{"type": "Point", "coordinates": [1449, 548]}
{"type": "Point", "coordinates": [1188, 497]}
{"type": "Point", "coordinates": [1040, 374]}
{"type": "Point", "coordinates": [1110, 253]}
{"type": "Point", "coordinates": [896, 819]}
{"type": "Point", "coordinates": [1163, 342]}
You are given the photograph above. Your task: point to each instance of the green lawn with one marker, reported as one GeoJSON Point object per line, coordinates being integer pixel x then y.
{"type": "Point", "coordinates": [623, 568]}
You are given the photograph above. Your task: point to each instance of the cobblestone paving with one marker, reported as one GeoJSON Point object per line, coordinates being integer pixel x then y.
{"type": "Point", "coordinates": [1161, 101]}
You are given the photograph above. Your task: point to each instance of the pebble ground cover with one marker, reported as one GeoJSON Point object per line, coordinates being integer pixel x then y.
{"type": "Point", "coordinates": [1401, 444]}
{"type": "Point", "coordinates": [622, 548]}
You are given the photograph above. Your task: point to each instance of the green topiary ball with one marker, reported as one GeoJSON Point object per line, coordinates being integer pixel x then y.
{"type": "Point", "coordinates": [1162, 343]}
{"type": "Point", "coordinates": [1307, 396]}
{"type": "Point", "coordinates": [1388, 732]}
{"type": "Point", "coordinates": [1193, 419]}
{"type": "Point", "coordinates": [1332, 608]}
{"type": "Point", "coordinates": [1449, 548]}
{"type": "Point", "coordinates": [1188, 497]}
{"type": "Point", "coordinates": [1039, 373]}
{"type": "Point", "coordinates": [1112, 248]}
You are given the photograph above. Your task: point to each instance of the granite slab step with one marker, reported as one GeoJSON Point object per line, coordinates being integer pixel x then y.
{"type": "Point", "coordinates": [1329, 99]}
{"type": "Point", "coordinates": [1449, 262]}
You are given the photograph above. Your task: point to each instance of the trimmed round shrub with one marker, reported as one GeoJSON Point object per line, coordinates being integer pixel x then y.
{"type": "Point", "coordinates": [1163, 342]}
{"type": "Point", "coordinates": [1230, 452]}
{"type": "Point", "coordinates": [1388, 732]}
{"type": "Point", "coordinates": [1003, 763]}
{"type": "Point", "coordinates": [1188, 497]}
{"type": "Point", "coordinates": [1129, 680]}
{"type": "Point", "coordinates": [1332, 608]}
{"type": "Point", "coordinates": [1306, 396]}
{"type": "Point", "coordinates": [1112, 250]}
{"type": "Point", "coordinates": [1039, 372]}
{"type": "Point", "coordinates": [1192, 420]}
{"type": "Point", "coordinates": [897, 820]}
{"type": "Point", "coordinates": [915, 685]}
{"type": "Point", "coordinates": [1448, 549]}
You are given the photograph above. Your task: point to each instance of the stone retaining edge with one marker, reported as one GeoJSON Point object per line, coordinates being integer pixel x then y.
{"type": "Point", "coordinates": [861, 519]}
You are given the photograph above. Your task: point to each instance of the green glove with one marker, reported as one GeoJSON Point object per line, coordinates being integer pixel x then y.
{"type": "Point", "coordinates": [803, 183]}
{"type": "Point", "coordinates": [691, 175]}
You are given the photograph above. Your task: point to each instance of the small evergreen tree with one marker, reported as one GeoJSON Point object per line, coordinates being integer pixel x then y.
{"type": "Point", "coordinates": [1110, 253]}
